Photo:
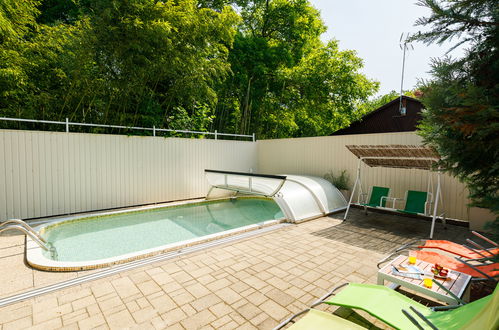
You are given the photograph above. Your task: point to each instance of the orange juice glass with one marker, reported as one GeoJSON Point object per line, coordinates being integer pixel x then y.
{"type": "Point", "coordinates": [428, 282]}
{"type": "Point", "coordinates": [412, 258]}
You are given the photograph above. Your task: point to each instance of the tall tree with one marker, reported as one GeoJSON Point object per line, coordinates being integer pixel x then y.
{"type": "Point", "coordinates": [132, 62]}
{"type": "Point", "coordinates": [462, 99]}
{"type": "Point", "coordinates": [275, 61]}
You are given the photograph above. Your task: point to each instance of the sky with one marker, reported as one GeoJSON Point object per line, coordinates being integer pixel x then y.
{"type": "Point", "coordinates": [373, 29]}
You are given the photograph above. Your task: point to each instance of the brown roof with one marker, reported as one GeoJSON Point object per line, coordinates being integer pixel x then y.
{"type": "Point", "coordinates": [396, 155]}
{"type": "Point", "coordinates": [387, 118]}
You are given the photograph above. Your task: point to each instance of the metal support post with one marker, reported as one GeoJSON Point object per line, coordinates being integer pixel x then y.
{"type": "Point", "coordinates": [254, 137]}
{"type": "Point", "coordinates": [435, 208]}
{"type": "Point", "coordinates": [216, 135]}
{"type": "Point", "coordinates": [154, 130]}
{"type": "Point", "coordinates": [353, 189]}
{"type": "Point", "coordinates": [67, 125]}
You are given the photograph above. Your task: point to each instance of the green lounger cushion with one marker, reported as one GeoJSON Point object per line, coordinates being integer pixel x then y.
{"type": "Point", "coordinates": [376, 194]}
{"type": "Point", "coordinates": [480, 314]}
{"type": "Point", "coordinates": [379, 301]}
{"type": "Point", "coordinates": [415, 202]}
{"type": "Point", "coordinates": [387, 304]}
{"type": "Point", "coordinates": [315, 319]}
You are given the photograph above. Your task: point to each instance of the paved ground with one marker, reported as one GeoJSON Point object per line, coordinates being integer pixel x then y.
{"type": "Point", "coordinates": [253, 283]}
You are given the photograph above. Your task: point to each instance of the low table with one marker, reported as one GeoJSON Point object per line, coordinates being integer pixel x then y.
{"type": "Point", "coordinates": [456, 282]}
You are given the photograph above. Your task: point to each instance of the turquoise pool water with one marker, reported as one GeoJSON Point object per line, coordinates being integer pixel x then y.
{"type": "Point", "coordinates": [114, 235]}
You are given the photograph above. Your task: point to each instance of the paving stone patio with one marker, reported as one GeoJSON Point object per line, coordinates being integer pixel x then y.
{"type": "Point", "coordinates": [252, 283]}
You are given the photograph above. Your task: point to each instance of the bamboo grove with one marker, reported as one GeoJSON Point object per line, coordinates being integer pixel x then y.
{"type": "Point", "coordinates": [233, 66]}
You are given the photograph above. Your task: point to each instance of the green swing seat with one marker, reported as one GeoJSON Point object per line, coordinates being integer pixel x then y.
{"type": "Point", "coordinates": [415, 202]}
{"type": "Point", "coordinates": [376, 199]}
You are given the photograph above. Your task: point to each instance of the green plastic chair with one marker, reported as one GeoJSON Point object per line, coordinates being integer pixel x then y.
{"type": "Point", "coordinates": [388, 305]}
{"type": "Point", "coordinates": [415, 202]}
{"type": "Point", "coordinates": [316, 319]}
{"type": "Point", "coordinates": [376, 197]}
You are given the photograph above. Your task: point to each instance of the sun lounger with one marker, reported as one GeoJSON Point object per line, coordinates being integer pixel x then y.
{"type": "Point", "coordinates": [392, 308]}
{"type": "Point", "coordinates": [475, 252]}
{"type": "Point", "coordinates": [315, 319]}
{"type": "Point", "coordinates": [401, 312]}
{"type": "Point", "coordinates": [458, 249]}
{"type": "Point", "coordinates": [480, 271]}
{"type": "Point", "coordinates": [379, 301]}
{"type": "Point", "coordinates": [480, 314]}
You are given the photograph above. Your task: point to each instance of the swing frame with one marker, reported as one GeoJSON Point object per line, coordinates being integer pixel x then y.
{"type": "Point", "coordinates": [399, 156]}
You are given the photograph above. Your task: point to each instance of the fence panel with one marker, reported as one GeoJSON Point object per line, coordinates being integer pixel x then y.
{"type": "Point", "coordinates": [53, 173]}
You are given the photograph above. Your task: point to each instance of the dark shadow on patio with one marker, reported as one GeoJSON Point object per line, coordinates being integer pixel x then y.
{"type": "Point", "coordinates": [383, 232]}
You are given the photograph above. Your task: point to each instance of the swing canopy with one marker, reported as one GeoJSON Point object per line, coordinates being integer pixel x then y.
{"type": "Point", "coordinates": [396, 156]}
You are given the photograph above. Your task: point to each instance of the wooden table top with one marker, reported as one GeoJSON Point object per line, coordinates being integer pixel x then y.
{"type": "Point", "coordinates": [456, 282]}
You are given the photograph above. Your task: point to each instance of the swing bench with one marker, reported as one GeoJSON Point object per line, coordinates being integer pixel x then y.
{"type": "Point", "coordinates": [404, 157]}
{"type": "Point", "coordinates": [416, 202]}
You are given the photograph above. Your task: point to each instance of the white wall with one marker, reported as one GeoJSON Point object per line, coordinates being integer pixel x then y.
{"type": "Point", "coordinates": [52, 173]}
{"type": "Point", "coordinates": [318, 155]}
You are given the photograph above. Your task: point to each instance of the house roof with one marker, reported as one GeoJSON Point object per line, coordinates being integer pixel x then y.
{"type": "Point", "coordinates": [387, 118]}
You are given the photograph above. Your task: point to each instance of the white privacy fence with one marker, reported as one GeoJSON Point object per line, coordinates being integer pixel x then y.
{"type": "Point", "coordinates": [52, 173]}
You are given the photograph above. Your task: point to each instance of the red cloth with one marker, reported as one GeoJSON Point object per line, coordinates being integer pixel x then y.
{"type": "Point", "coordinates": [455, 248]}
{"type": "Point", "coordinates": [451, 263]}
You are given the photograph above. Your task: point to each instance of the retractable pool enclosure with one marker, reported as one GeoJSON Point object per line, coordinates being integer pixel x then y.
{"type": "Point", "coordinates": [300, 197]}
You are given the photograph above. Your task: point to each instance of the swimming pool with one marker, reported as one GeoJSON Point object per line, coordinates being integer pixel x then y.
{"type": "Point", "coordinates": [99, 241]}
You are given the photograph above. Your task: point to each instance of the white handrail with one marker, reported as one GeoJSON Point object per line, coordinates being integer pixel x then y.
{"type": "Point", "coordinates": [27, 230]}
{"type": "Point", "coordinates": [25, 225]}
{"type": "Point", "coordinates": [22, 226]}
{"type": "Point", "coordinates": [67, 123]}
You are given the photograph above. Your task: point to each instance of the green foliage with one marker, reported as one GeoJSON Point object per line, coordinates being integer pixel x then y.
{"type": "Point", "coordinates": [60, 11]}
{"type": "Point", "coordinates": [340, 181]}
{"type": "Point", "coordinates": [16, 19]}
{"type": "Point", "coordinates": [182, 64]}
{"type": "Point", "coordinates": [285, 81]}
{"type": "Point", "coordinates": [134, 62]}
{"type": "Point", "coordinates": [462, 99]}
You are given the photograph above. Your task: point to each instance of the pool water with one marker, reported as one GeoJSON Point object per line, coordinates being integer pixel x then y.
{"type": "Point", "coordinates": [118, 234]}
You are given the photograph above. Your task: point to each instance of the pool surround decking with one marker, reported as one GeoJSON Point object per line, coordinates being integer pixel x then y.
{"type": "Point", "coordinates": [252, 283]}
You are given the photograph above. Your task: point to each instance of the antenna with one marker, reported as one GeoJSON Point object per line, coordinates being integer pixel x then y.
{"type": "Point", "coordinates": [405, 46]}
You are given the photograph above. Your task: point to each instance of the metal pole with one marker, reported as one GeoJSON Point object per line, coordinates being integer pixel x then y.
{"type": "Point", "coordinates": [67, 125]}
{"type": "Point", "coordinates": [253, 137]}
{"type": "Point", "coordinates": [154, 130]}
{"type": "Point", "coordinates": [402, 80]}
{"type": "Point", "coordinates": [435, 209]}
{"type": "Point", "coordinates": [216, 135]}
{"type": "Point", "coordinates": [353, 189]}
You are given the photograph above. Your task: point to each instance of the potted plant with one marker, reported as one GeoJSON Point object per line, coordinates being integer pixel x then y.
{"type": "Point", "coordinates": [341, 181]}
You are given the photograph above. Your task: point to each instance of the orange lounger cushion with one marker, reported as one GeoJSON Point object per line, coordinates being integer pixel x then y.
{"type": "Point", "coordinates": [491, 270]}
{"type": "Point", "coordinates": [455, 248]}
